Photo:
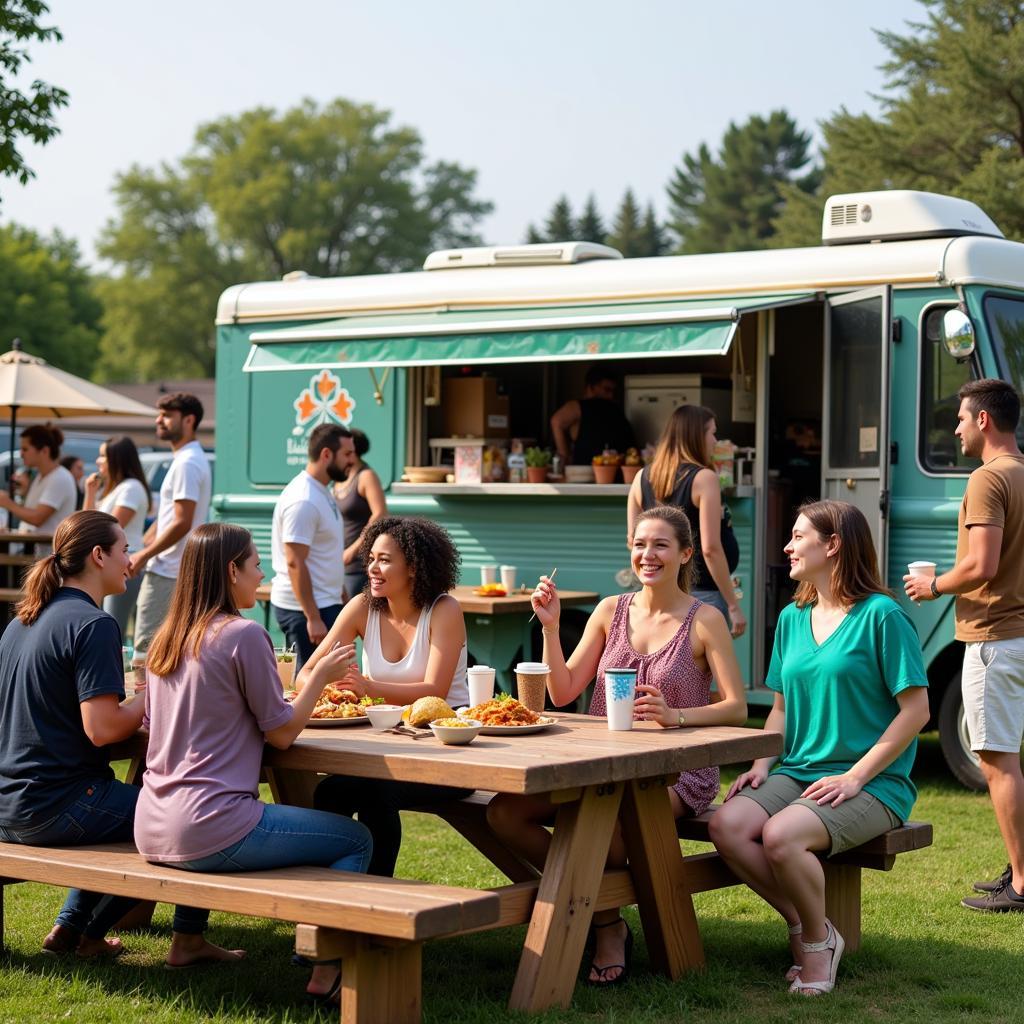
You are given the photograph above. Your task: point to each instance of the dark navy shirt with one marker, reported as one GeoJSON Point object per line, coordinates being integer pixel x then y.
{"type": "Point", "coordinates": [70, 654]}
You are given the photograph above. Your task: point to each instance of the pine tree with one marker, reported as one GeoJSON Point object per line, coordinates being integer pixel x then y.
{"type": "Point", "coordinates": [653, 233]}
{"type": "Point", "coordinates": [590, 227]}
{"type": "Point", "coordinates": [627, 234]}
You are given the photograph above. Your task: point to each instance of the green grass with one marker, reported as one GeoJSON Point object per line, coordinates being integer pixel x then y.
{"type": "Point", "coordinates": [923, 958]}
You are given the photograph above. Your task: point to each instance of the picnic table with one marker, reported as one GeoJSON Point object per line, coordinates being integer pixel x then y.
{"type": "Point", "coordinates": [593, 775]}
{"type": "Point", "coordinates": [13, 565]}
{"type": "Point", "coordinates": [497, 627]}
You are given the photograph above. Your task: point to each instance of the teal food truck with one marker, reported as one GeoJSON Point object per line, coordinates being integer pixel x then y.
{"type": "Point", "coordinates": [833, 369]}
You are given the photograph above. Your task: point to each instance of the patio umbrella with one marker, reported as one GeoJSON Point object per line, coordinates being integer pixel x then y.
{"type": "Point", "coordinates": [33, 389]}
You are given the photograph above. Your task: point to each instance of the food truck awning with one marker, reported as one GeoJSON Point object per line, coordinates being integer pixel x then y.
{"type": "Point", "coordinates": [461, 337]}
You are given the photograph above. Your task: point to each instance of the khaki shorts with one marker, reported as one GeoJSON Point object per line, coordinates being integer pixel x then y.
{"type": "Point", "coordinates": [154, 603]}
{"type": "Point", "coordinates": [993, 690]}
{"type": "Point", "coordinates": [851, 823]}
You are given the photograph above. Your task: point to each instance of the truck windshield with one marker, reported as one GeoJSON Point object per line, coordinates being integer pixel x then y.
{"type": "Point", "coordinates": [1005, 318]}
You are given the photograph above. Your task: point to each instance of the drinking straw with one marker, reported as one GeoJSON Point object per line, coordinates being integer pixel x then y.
{"type": "Point", "coordinates": [550, 578]}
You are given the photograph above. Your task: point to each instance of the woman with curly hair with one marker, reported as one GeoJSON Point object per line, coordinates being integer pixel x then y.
{"type": "Point", "coordinates": [414, 645]}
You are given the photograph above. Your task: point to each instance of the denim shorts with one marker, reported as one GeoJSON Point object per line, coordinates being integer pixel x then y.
{"type": "Point", "coordinates": [853, 822]}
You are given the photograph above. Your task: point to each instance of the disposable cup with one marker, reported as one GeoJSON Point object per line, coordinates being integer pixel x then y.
{"type": "Point", "coordinates": [619, 695]}
{"type": "Point", "coordinates": [488, 574]}
{"type": "Point", "coordinates": [481, 684]}
{"type": "Point", "coordinates": [508, 578]}
{"type": "Point", "coordinates": [532, 684]}
{"type": "Point", "coordinates": [926, 569]}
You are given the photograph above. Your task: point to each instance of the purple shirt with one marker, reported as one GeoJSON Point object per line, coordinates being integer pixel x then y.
{"type": "Point", "coordinates": [206, 723]}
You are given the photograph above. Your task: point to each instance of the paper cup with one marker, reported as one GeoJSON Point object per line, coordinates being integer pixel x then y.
{"type": "Point", "coordinates": [619, 694]}
{"type": "Point", "coordinates": [508, 578]}
{"type": "Point", "coordinates": [488, 574]}
{"type": "Point", "coordinates": [926, 569]}
{"type": "Point", "coordinates": [532, 684]}
{"type": "Point", "coordinates": [481, 684]}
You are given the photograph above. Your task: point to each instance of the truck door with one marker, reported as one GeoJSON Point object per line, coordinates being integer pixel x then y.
{"type": "Point", "coordinates": [855, 438]}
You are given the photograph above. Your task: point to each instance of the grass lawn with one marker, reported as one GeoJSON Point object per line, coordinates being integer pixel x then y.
{"type": "Point", "coordinates": [923, 957]}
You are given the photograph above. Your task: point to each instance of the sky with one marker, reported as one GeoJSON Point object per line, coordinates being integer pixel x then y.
{"type": "Point", "coordinates": [542, 97]}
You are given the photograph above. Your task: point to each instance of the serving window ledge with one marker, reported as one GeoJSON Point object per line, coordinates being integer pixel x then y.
{"type": "Point", "coordinates": [570, 490]}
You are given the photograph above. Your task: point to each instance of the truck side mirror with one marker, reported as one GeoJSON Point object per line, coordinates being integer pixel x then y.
{"type": "Point", "coordinates": [958, 334]}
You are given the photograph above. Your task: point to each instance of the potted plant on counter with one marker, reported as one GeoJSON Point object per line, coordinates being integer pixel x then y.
{"type": "Point", "coordinates": [633, 464]}
{"type": "Point", "coordinates": [537, 462]}
{"type": "Point", "coordinates": [606, 467]}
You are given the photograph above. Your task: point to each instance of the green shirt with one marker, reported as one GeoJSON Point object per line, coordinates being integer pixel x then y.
{"type": "Point", "coordinates": [841, 695]}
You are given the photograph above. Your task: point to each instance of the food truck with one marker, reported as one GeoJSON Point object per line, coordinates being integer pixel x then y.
{"type": "Point", "coordinates": [833, 370]}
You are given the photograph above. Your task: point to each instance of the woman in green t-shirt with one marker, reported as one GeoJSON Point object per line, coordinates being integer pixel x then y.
{"type": "Point", "coordinates": [850, 700]}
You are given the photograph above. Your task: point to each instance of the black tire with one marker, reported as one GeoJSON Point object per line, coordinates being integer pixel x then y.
{"type": "Point", "coordinates": [953, 739]}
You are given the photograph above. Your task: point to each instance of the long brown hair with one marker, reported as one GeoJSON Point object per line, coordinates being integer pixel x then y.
{"type": "Point", "coordinates": [202, 593]}
{"type": "Point", "coordinates": [123, 463]}
{"type": "Point", "coordinates": [680, 523]}
{"type": "Point", "coordinates": [681, 441]}
{"type": "Point", "coordinates": [855, 569]}
{"type": "Point", "coordinates": [74, 541]}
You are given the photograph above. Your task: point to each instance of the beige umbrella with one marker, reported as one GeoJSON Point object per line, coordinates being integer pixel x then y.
{"type": "Point", "coordinates": [29, 386]}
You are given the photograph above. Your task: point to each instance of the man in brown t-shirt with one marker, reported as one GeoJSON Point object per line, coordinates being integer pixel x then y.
{"type": "Point", "coordinates": [988, 579]}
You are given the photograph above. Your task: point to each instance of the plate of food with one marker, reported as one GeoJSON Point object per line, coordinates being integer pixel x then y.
{"type": "Point", "coordinates": [339, 706]}
{"type": "Point", "coordinates": [505, 716]}
{"type": "Point", "coordinates": [490, 590]}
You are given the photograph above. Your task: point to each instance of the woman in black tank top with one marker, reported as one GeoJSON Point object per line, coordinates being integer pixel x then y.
{"type": "Point", "coordinates": [360, 501]}
{"type": "Point", "coordinates": [680, 474]}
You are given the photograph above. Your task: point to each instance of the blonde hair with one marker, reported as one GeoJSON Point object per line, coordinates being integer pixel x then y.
{"type": "Point", "coordinates": [681, 441]}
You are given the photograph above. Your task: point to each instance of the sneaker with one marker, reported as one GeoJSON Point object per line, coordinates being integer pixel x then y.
{"type": "Point", "coordinates": [996, 883]}
{"type": "Point", "coordinates": [1000, 901]}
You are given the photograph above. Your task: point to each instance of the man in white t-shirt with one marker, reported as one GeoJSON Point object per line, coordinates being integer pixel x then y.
{"type": "Point", "coordinates": [308, 544]}
{"type": "Point", "coordinates": [184, 505]}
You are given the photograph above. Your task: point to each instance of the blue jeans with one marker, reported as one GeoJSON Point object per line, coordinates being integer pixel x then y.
{"type": "Point", "coordinates": [103, 813]}
{"type": "Point", "coordinates": [293, 625]}
{"type": "Point", "coordinates": [285, 836]}
{"type": "Point", "coordinates": [715, 599]}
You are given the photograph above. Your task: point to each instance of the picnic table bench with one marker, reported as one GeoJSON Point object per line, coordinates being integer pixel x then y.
{"type": "Point", "coordinates": [705, 871]}
{"type": "Point", "coordinates": [377, 924]}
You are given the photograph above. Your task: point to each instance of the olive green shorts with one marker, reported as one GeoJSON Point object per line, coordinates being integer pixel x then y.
{"type": "Point", "coordinates": [853, 822]}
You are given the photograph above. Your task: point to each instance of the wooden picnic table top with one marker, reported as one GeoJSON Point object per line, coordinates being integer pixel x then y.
{"type": "Point", "coordinates": [579, 750]}
{"type": "Point", "coordinates": [24, 537]}
{"type": "Point", "coordinates": [472, 603]}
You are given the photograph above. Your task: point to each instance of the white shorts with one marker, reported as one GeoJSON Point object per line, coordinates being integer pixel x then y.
{"type": "Point", "coordinates": [993, 689]}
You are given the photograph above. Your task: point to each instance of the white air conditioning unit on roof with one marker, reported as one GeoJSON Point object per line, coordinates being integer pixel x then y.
{"type": "Point", "coordinates": [538, 255]}
{"type": "Point", "coordinates": [901, 214]}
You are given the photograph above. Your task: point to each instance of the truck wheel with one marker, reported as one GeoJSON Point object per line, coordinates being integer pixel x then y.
{"type": "Point", "coordinates": [956, 747]}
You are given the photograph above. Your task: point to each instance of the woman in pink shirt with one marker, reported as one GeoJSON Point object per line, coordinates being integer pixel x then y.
{"type": "Point", "coordinates": [213, 699]}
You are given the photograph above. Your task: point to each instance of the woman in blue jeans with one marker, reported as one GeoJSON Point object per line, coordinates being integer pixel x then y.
{"type": "Point", "coordinates": [61, 693]}
{"type": "Point", "coordinates": [213, 698]}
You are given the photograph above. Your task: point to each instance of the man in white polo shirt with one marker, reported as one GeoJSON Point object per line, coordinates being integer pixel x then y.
{"type": "Point", "coordinates": [308, 544]}
{"type": "Point", "coordinates": [184, 505]}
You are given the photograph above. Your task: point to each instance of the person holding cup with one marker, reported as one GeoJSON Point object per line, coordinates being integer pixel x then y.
{"type": "Point", "coordinates": [677, 645]}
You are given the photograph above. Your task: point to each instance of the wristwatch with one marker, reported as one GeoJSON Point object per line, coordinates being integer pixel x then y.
{"type": "Point", "coordinates": [935, 589]}
{"type": "Point", "coordinates": [682, 719]}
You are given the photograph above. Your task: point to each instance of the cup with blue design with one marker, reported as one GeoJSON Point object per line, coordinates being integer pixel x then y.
{"type": "Point", "coordinates": [619, 695]}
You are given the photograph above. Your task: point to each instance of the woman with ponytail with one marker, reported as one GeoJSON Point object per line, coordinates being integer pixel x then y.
{"type": "Point", "coordinates": [61, 694]}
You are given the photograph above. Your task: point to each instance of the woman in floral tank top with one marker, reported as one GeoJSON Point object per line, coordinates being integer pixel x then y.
{"type": "Point", "coordinates": [677, 645]}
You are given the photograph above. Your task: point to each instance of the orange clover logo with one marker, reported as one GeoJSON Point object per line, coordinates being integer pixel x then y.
{"type": "Point", "coordinates": [324, 401]}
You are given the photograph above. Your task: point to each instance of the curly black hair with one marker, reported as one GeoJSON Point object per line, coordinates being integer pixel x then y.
{"type": "Point", "coordinates": [429, 553]}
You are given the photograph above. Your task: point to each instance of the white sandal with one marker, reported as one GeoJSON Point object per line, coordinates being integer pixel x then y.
{"type": "Point", "coordinates": [834, 942]}
{"type": "Point", "coordinates": [794, 972]}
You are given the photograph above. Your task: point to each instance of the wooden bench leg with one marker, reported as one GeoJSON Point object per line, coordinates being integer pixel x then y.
{"type": "Point", "coordinates": [382, 984]}
{"type": "Point", "coordinates": [842, 901]}
{"type": "Point", "coordinates": [659, 878]}
{"type": "Point", "coordinates": [566, 898]}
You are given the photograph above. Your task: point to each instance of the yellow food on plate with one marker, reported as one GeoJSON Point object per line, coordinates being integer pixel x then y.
{"type": "Point", "coordinates": [339, 702]}
{"type": "Point", "coordinates": [452, 723]}
{"type": "Point", "coordinates": [502, 712]}
{"type": "Point", "coordinates": [427, 710]}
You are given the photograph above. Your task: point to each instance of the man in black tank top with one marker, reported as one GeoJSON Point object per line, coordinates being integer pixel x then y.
{"type": "Point", "coordinates": [583, 428]}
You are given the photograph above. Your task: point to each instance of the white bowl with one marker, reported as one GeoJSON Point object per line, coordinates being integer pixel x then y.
{"type": "Point", "coordinates": [457, 735]}
{"type": "Point", "coordinates": [579, 474]}
{"type": "Point", "coordinates": [384, 716]}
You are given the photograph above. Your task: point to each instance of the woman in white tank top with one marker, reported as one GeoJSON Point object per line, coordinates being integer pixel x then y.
{"type": "Point", "coordinates": [414, 645]}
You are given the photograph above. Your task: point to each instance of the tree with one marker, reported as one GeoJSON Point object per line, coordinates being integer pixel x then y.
{"type": "Point", "coordinates": [48, 299]}
{"type": "Point", "coordinates": [729, 201]}
{"type": "Point", "coordinates": [559, 227]}
{"type": "Point", "coordinates": [30, 114]}
{"type": "Point", "coordinates": [952, 118]}
{"type": "Point", "coordinates": [627, 234]}
{"type": "Point", "coordinates": [655, 242]}
{"type": "Point", "coordinates": [590, 227]}
{"type": "Point", "coordinates": [333, 190]}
